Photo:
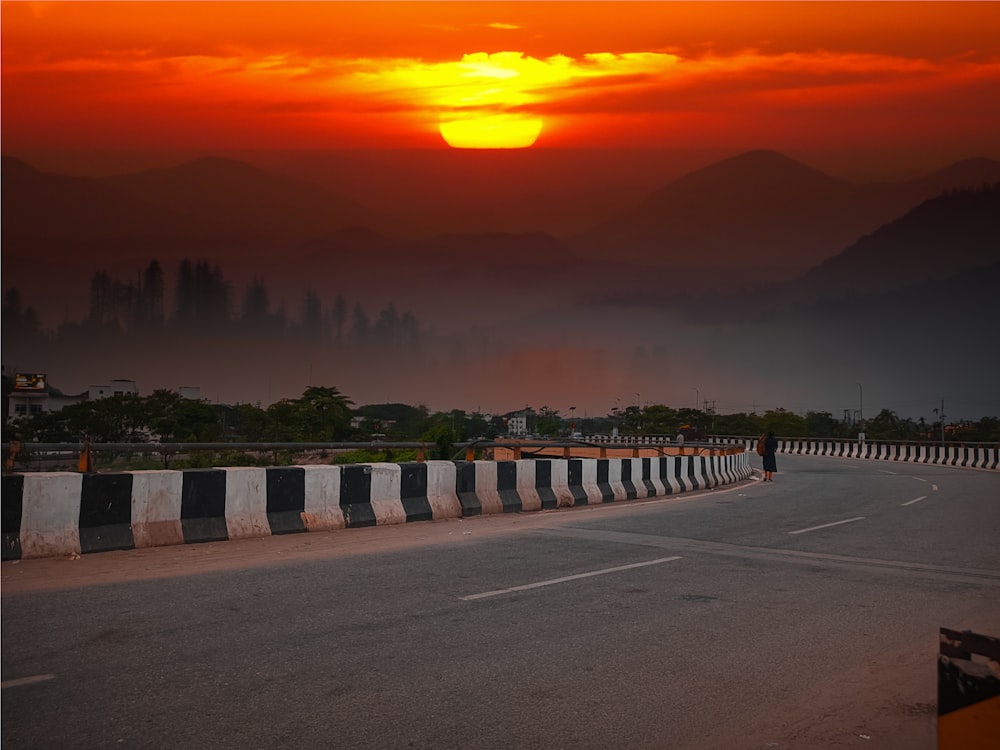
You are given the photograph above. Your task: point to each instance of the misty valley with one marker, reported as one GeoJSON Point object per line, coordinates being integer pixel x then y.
{"type": "Point", "coordinates": [756, 282]}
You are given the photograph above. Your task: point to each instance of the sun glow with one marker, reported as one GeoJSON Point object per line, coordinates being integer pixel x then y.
{"type": "Point", "coordinates": [492, 131]}
{"type": "Point", "coordinates": [402, 74]}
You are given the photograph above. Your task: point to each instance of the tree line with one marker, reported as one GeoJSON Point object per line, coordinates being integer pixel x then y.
{"type": "Point", "coordinates": [203, 302]}
{"type": "Point", "coordinates": [324, 414]}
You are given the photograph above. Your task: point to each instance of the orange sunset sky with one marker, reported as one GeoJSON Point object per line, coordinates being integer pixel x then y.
{"type": "Point", "coordinates": [277, 75]}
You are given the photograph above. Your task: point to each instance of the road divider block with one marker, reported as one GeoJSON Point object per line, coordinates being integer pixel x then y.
{"type": "Point", "coordinates": [63, 513]}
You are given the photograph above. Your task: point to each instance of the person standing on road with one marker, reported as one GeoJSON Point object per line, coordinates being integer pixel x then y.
{"type": "Point", "coordinates": [770, 461]}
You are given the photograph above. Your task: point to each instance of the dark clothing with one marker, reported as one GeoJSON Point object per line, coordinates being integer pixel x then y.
{"type": "Point", "coordinates": [770, 448]}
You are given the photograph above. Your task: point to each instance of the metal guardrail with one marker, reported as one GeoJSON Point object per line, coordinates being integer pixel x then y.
{"type": "Point", "coordinates": [82, 452]}
{"type": "Point", "coordinates": [867, 440]}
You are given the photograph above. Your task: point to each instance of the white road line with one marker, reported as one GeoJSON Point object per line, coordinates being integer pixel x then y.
{"type": "Point", "coordinates": [554, 581]}
{"type": "Point", "coordinates": [828, 525]}
{"type": "Point", "coordinates": [886, 471]}
{"type": "Point", "coordinates": [915, 500]}
{"type": "Point", "coordinates": [919, 479]}
{"type": "Point", "coordinates": [27, 681]}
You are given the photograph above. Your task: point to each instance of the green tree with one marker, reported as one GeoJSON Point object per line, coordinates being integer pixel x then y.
{"type": "Point", "coordinates": [658, 419]}
{"type": "Point", "coordinates": [886, 425]}
{"type": "Point", "coordinates": [784, 423]}
{"type": "Point", "coordinates": [549, 422]}
{"type": "Point", "coordinates": [821, 424]}
{"type": "Point", "coordinates": [320, 414]}
{"type": "Point", "coordinates": [245, 423]}
{"type": "Point", "coordinates": [174, 419]}
{"type": "Point", "coordinates": [441, 434]}
{"type": "Point", "coordinates": [738, 424]}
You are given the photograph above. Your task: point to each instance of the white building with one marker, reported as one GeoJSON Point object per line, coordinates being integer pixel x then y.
{"type": "Point", "coordinates": [31, 394]}
{"type": "Point", "coordinates": [115, 388]}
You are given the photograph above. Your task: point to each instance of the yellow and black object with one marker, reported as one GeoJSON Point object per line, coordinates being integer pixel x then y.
{"type": "Point", "coordinates": [968, 691]}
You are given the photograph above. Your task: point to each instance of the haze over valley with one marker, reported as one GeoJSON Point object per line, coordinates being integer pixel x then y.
{"type": "Point", "coordinates": [750, 281]}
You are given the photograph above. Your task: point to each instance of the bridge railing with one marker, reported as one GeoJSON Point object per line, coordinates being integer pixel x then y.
{"type": "Point", "coordinates": [983, 455]}
{"type": "Point", "coordinates": [81, 456]}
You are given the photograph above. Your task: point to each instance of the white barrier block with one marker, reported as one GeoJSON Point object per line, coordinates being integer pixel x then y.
{"type": "Point", "coordinates": [560, 483]}
{"type": "Point", "coordinates": [322, 498]}
{"type": "Point", "coordinates": [486, 487]}
{"type": "Point", "coordinates": [386, 497]}
{"type": "Point", "coordinates": [156, 508]}
{"type": "Point", "coordinates": [246, 502]}
{"type": "Point", "coordinates": [640, 485]}
{"type": "Point", "coordinates": [589, 479]}
{"type": "Point", "coordinates": [441, 493]}
{"type": "Point", "coordinates": [526, 485]}
{"type": "Point", "coordinates": [50, 514]}
{"type": "Point", "coordinates": [659, 489]}
{"type": "Point", "coordinates": [615, 478]}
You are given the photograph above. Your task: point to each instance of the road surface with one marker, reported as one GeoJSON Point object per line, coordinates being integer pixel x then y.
{"type": "Point", "coordinates": [802, 613]}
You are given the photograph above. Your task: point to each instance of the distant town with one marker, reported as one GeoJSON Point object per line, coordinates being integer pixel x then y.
{"type": "Point", "coordinates": [118, 412]}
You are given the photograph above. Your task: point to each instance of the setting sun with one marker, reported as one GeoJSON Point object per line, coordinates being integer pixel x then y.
{"type": "Point", "coordinates": [492, 131]}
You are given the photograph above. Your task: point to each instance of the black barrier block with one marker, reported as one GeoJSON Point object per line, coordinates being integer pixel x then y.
{"type": "Point", "coordinates": [574, 473]}
{"type": "Point", "coordinates": [203, 506]}
{"type": "Point", "coordinates": [647, 476]}
{"type": "Point", "coordinates": [666, 466]}
{"type": "Point", "coordinates": [413, 492]}
{"type": "Point", "coordinates": [543, 485]}
{"type": "Point", "coordinates": [106, 512]}
{"type": "Point", "coordinates": [627, 483]}
{"type": "Point", "coordinates": [465, 488]}
{"type": "Point", "coordinates": [682, 481]}
{"type": "Point", "coordinates": [356, 496]}
{"type": "Point", "coordinates": [603, 481]}
{"type": "Point", "coordinates": [355, 484]}
{"type": "Point", "coordinates": [286, 499]}
{"type": "Point", "coordinates": [691, 477]}
{"type": "Point", "coordinates": [507, 487]}
{"type": "Point", "coordinates": [11, 508]}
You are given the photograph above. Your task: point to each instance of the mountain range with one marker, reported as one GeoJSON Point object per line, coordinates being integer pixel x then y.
{"type": "Point", "coordinates": [749, 219]}
{"type": "Point", "coordinates": [755, 276]}
{"type": "Point", "coordinates": [756, 226]}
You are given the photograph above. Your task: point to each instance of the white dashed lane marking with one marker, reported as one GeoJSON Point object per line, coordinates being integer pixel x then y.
{"type": "Point", "coordinates": [27, 681]}
{"type": "Point", "coordinates": [828, 525]}
{"type": "Point", "coordinates": [564, 579]}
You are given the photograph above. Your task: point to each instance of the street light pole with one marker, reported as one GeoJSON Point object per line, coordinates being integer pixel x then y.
{"type": "Point", "coordinates": [861, 414]}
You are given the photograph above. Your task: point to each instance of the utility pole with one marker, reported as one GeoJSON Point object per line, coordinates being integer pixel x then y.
{"type": "Point", "coordinates": [861, 414]}
{"type": "Point", "coordinates": [942, 421]}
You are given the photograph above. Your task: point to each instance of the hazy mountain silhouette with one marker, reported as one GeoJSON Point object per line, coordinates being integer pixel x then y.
{"type": "Point", "coordinates": [227, 196]}
{"type": "Point", "coordinates": [956, 231]}
{"type": "Point", "coordinates": [762, 214]}
{"type": "Point", "coordinates": [463, 191]}
{"type": "Point", "coordinates": [41, 204]}
{"type": "Point", "coordinates": [721, 227]}
{"type": "Point", "coordinates": [941, 237]}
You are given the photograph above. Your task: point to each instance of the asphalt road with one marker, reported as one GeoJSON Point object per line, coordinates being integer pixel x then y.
{"type": "Point", "coordinates": [802, 613]}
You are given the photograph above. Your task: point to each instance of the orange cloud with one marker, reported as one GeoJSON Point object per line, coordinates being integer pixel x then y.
{"type": "Point", "coordinates": [146, 71]}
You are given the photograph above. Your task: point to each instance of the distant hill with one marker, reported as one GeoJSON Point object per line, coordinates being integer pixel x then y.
{"type": "Point", "coordinates": [737, 223]}
{"type": "Point", "coordinates": [41, 204]}
{"type": "Point", "coordinates": [228, 196]}
{"type": "Point", "coordinates": [954, 232]}
{"type": "Point", "coordinates": [765, 214]}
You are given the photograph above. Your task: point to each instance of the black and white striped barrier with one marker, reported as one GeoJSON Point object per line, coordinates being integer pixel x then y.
{"type": "Point", "coordinates": [59, 513]}
{"type": "Point", "coordinates": [973, 457]}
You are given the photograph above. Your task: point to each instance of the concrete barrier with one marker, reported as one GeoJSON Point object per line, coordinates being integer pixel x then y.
{"type": "Point", "coordinates": [961, 456]}
{"type": "Point", "coordinates": [60, 513]}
